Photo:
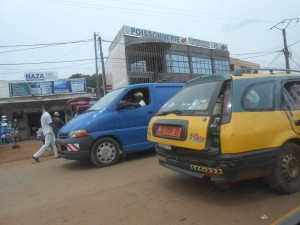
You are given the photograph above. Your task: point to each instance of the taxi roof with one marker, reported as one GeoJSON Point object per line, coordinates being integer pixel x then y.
{"type": "Point", "coordinates": [246, 73]}
{"type": "Point", "coordinates": [263, 73]}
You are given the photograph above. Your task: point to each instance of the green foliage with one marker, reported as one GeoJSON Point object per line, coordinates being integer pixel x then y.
{"type": "Point", "coordinates": [90, 80]}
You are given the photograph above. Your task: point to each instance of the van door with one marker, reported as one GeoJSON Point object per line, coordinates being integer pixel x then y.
{"type": "Point", "coordinates": [131, 122]}
{"type": "Point", "coordinates": [291, 104]}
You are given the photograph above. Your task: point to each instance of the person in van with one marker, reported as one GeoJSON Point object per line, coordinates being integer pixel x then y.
{"type": "Point", "coordinates": [137, 100]}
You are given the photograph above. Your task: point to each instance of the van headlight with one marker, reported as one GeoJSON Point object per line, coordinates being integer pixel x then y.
{"type": "Point", "coordinates": [77, 133]}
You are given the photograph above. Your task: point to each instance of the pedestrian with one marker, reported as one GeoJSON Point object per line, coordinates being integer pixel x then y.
{"type": "Point", "coordinates": [58, 123]}
{"type": "Point", "coordinates": [137, 101]}
{"type": "Point", "coordinates": [47, 128]}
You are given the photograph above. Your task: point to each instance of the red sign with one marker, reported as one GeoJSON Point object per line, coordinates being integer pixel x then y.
{"type": "Point", "coordinates": [170, 131]}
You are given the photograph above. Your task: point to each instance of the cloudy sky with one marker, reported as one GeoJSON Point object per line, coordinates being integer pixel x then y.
{"type": "Point", "coordinates": [32, 32]}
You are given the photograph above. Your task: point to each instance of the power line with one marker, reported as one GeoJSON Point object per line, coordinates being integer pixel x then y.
{"type": "Point", "coordinates": [294, 43]}
{"type": "Point", "coordinates": [294, 61]}
{"type": "Point", "coordinates": [255, 53]}
{"type": "Point", "coordinates": [280, 53]}
{"type": "Point", "coordinates": [294, 53]}
{"type": "Point", "coordinates": [258, 55]}
{"type": "Point", "coordinates": [286, 50]}
{"type": "Point", "coordinates": [67, 61]}
{"type": "Point", "coordinates": [55, 43]}
{"type": "Point", "coordinates": [146, 12]}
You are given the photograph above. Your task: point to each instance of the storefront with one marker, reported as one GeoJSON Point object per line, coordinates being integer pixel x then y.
{"type": "Point", "coordinates": [21, 102]}
{"type": "Point", "coordinates": [79, 105]}
{"type": "Point", "coordinates": [146, 56]}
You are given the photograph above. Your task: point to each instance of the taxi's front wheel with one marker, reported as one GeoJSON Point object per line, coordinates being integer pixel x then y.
{"type": "Point", "coordinates": [105, 152]}
{"type": "Point", "coordinates": [286, 174]}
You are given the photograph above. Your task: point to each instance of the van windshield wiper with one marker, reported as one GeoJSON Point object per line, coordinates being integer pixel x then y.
{"type": "Point", "coordinates": [176, 111]}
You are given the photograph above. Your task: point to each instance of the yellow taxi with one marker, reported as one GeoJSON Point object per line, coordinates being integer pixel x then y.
{"type": "Point", "coordinates": [233, 127]}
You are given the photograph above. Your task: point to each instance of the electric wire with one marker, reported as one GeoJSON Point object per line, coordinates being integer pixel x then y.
{"type": "Point", "coordinates": [294, 43]}
{"type": "Point", "coordinates": [294, 61]}
{"type": "Point", "coordinates": [46, 44]}
{"type": "Point", "coordinates": [162, 14]}
{"type": "Point", "coordinates": [280, 53]}
{"type": "Point", "coordinates": [35, 63]}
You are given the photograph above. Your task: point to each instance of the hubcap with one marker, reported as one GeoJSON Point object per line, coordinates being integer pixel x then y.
{"type": "Point", "coordinates": [290, 168]}
{"type": "Point", "coordinates": [106, 152]}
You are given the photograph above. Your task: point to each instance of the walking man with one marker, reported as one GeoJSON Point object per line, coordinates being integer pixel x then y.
{"type": "Point", "coordinates": [47, 128]}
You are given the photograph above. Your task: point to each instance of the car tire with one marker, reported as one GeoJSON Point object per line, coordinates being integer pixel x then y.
{"type": "Point", "coordinates": [105, 152]}
{"type": "Point", "coordinates": [286, 175]}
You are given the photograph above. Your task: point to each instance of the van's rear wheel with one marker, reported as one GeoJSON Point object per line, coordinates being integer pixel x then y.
{"type": "Point", "coordinates": [105, 152]}
{"type": "Point", "coordinates": [286, 175]}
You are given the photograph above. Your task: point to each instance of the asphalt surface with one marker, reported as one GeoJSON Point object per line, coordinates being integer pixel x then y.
{"type": "Point", "coordinates": [136, 191]}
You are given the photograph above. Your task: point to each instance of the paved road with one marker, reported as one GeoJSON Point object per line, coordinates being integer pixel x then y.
{"type": "Point", "coordinates": [134, 192]}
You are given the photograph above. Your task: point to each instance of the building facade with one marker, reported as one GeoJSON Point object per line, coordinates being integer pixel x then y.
{"type": "Point", "coordinates": [241, 64]}
{"type": "Point", "coordinates": [139, 56]}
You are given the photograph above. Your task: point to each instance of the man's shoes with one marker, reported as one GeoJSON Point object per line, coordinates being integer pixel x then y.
{"type": "Point", "coordinates": [57, 157]}
{"type": "Point", "coordinates": [36, 159]}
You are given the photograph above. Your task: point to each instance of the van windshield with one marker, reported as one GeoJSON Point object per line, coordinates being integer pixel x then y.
{"type": "Point", "coordinates": [196, 99]}
{"type": "Point", "coordinates": [106, 100]}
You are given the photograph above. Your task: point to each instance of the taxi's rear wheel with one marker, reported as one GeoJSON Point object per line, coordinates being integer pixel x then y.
{"type": "Point", "coordinates": [105, 152]}
{"type": "Point", "coordinates": [286, 175]}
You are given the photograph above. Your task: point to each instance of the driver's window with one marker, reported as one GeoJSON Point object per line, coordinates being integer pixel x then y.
{"type": "Point", "coordinates": [135, 98]}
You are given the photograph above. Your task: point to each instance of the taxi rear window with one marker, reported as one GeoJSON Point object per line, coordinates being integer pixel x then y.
{"type": "Point", "coordinates": [196, 99]}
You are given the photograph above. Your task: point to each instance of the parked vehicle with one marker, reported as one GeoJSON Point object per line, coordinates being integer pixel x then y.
{"type": "Point", "coordinates": [233, 127]}
{"type": "Point", "coordinates": [109, 128]}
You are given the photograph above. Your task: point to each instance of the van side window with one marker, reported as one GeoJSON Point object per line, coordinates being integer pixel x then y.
{"type": "Point", "coordinates": [292, 94]}
{"type": "Point", "coordinates": [259, 97]}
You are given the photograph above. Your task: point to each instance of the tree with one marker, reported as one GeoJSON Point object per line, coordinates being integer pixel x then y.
{"type": "Point", "coordinates": [90, 80]}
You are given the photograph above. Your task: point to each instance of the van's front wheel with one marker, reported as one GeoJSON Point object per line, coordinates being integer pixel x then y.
{"type": "Point", "coordinates": [105, 152]}
{"type": "Point", "coordinates": [286, 175]}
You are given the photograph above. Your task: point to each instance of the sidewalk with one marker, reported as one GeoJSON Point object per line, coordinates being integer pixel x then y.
{"type": "Point", "coordinates": [26, 150]}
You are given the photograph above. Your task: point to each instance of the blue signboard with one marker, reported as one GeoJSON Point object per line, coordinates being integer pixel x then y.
{"type": "Point", "coordinates": [47, 87]}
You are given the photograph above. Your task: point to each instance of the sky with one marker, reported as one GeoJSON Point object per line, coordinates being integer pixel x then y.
{"type": "Point", "coordinates": [243, 25]}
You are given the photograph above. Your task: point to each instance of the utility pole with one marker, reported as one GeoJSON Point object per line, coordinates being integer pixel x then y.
{"type": "Point", "coordinates": [96, 61]}
{"type": "Point", "coordinates": [286, 50]}
{"type": "Point", "coordinates": [102, 64]}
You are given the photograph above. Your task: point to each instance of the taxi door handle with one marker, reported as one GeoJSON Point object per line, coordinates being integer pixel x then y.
{"type": "Point", "coordinates": [151, 111]}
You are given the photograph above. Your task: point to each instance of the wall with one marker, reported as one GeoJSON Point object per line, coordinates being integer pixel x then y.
{"type": "Point", "coordinates": [4, 89]}
{"type": "Point", "coordinates": [115, 66]}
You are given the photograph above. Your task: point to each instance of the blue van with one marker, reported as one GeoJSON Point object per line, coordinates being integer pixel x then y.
{"type": "Point", "coordinates": [109, 129]}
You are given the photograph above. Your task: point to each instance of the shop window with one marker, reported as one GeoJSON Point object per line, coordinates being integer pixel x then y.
{"type": "Point", "coordinates": [201, 65]}
{"type": "Point", "coordinates": [222, 66]}
{"type": "Point", "coordinates": [139, 66]}
{"type": "Point", "coordinates": [177, 64]}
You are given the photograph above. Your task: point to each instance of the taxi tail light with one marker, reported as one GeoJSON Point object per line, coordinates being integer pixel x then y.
{"type": "Point", "coordinates": [213, 134]}
{"type": "Point", "coordinates": [227, 108]}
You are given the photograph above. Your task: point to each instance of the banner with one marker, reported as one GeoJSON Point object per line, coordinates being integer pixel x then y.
{"type": "Point", "coordinates": [47, 87]}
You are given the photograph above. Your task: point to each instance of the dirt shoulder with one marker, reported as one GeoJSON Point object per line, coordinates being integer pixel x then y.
{"type": "Point", "coordinates": [25, 151]}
